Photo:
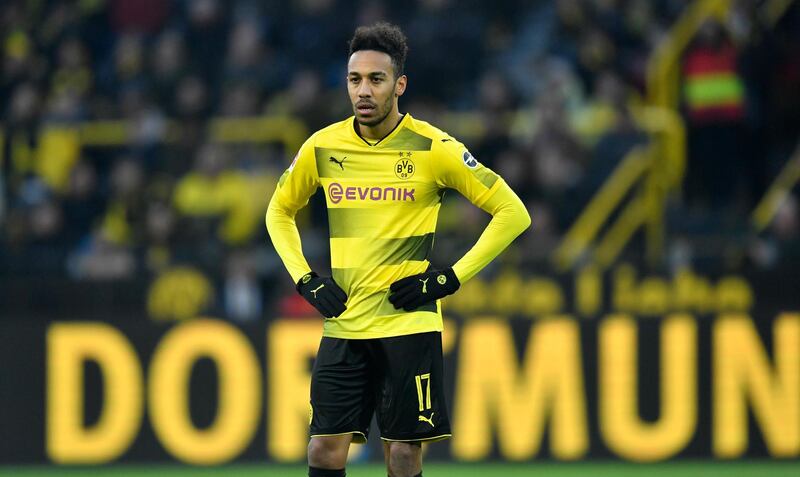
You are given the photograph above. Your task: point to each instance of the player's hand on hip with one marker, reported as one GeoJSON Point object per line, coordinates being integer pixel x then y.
{"type": "Point", "coordinates": [412, 292]}
{"type": "Point", "coordinates": [323, 293]}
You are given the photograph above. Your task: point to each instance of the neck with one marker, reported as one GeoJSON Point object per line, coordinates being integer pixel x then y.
{"type": "Point", "coordinates": [380, 130]}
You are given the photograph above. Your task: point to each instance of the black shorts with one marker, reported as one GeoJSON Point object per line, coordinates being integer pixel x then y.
{"type": "Point", "coordinates": [399, 379]}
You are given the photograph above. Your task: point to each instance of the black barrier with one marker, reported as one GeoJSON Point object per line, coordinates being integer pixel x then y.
{"type": "Point", "coordinates": [716, 373]}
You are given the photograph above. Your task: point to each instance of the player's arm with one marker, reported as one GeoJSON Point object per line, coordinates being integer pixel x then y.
{"type": "Point", "coordinates": [295, 187]}
{"type": "Point", "coordinates": [509, 219]}
{"type": "Point", "coordinates": [457, 169]}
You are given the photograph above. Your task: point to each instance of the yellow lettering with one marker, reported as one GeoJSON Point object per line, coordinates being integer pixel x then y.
{"type": "Point", "coordinates": [69, 345]}
{"type": "Point", "coordinates": [507, 293]}
{"type": "Point", "coordinates": [742, 373]}
{"type": "Point", "coordinates": [471, 297]}
{"type": "Point", "coordinates": [653, 297]}
{"type": "Point", "coordinates": [734, 294]}
{"type": "Point", "coordinates": [239, 391]}
{"type": "Point", "coordinates": [449, 335]}
{"type": "Point", "coordinates": [624, 295]}
{"type": "Point", "coordinates": [491, 386]}
{"type": "Point", "coordinates": [691, 292]}
{"type": "Point", "coordinates": [292, 344]}
{"type": "Point", "coordinates": [620, 425]}
{"type": "Point", "coordinates": [543, 296]}
{"type": "Point", "coordinates": [588, 290]}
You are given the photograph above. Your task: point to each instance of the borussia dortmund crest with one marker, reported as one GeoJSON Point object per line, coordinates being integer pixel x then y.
{"type": "Point", "coordinates": [404, 168]}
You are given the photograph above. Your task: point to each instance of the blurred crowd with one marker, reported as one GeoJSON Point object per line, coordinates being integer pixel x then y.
{"type": "Point", "coordinates": [552, 83]}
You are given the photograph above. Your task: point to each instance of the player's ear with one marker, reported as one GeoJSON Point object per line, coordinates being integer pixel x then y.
{"type": "Point", "coordinates": [400, 85]}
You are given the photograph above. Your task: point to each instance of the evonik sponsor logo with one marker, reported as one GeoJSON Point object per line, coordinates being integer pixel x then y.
{"type": "Point", "coordinates": [337, 192]}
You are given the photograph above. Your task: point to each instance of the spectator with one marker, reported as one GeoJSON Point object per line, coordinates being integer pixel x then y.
{"type": "Point", "coordinates": [73, 75]}
{"type": "Point", "coordinates": [781, 245]}
{"type": "Point", "coordinates": [157, 252]}
{"type": "Point", "coordinates": [167, 66]}
{"type": "Point", "coordinates": [215, 201]}
{"type": "Point", "coordinates": [303, 99]}
{"type": "Point", "coordinates": [129, 62]}
{"type": "Point", "coordinates": [102, 260]}
{"type": "Point", "coordinates": [139, 16]}
{"type": "Point", "coordinates": [546, 87]}
{"type": "Point", "coordinates": [82, 203]}
{"type": "Point", "coordinates": [714, 101]}
{"type": "Point", "coordinates": [242, 293]}
{"type": "Point", "coordinates": [558, 157]}
{"type": "Point", "coordinates": [207, 34]}
{"type": "Point", "coordinates": [122, 223]}
{"type": "Point", "coordinates": [245, 59]}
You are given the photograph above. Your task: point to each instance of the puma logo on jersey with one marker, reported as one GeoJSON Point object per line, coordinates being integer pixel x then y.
{"type": "Point", "coordinates": [429, 420]}
{"type": "Point", "coordinates": [314, 291]}
{"type": "Point", "coordinates": [425, 284]}
{"type": "Point", "coordinates": [341, 163]}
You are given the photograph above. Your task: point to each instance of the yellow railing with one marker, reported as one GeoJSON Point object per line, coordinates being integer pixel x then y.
{"type": "Point", "coordinates": [646, 175]}
{"type": "Point", "coordinates": [290, 132]}
{"type": "Point", "coordinates": [782, 186]}
{"type": "Point", "coordinates": [663, 68]}
{"type": "Point", "coordinates": [578, 238]}
{"type": "Point", "coordinates": [650, 175]}
{"type": "Point", "coordinates": [57, 147]}
{"type": "Point", "coordinates": [773, 10]}
{"type": "Point", "coordinates": [657, 169]}
{"type": "Point", "coordinates": [777, 193]}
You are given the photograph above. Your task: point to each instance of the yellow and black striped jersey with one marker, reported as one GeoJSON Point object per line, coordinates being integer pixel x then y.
{"type": "Point", "coordinates": [383, 201]}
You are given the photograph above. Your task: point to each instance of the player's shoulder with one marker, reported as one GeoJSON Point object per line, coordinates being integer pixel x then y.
{"type": "Point", "coordinates": [443, 145]}
{"type": "Point", "coordinates": [424, 128]}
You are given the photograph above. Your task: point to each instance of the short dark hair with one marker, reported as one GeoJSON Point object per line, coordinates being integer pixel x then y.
{"type": "Point", "coordinates": [383, 37]}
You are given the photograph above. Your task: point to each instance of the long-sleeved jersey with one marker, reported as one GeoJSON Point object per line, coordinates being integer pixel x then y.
{"type": "Point", "coordinates": [383, 200]}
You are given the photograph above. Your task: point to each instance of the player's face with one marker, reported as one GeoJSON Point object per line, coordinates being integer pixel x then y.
{"type": "Point", "coordinates": [372, 86]}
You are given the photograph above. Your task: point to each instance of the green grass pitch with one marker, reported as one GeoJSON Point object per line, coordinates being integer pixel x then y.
{"type": "Point", "coordinates": [550, 469]}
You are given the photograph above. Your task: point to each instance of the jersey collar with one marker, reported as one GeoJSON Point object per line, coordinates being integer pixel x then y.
{"type": "Point", "coordinates": [400, 124]}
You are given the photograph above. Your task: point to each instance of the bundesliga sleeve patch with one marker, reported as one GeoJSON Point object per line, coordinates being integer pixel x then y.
{"type": "Point", "coordinates": [469, 160]}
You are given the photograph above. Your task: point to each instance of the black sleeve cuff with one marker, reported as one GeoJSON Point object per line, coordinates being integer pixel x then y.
{"type": "Point", "coordinates": [304, 280]}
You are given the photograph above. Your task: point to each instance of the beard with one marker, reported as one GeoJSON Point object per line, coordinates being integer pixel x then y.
{"type": "Point", "coordinates": [383, 112]}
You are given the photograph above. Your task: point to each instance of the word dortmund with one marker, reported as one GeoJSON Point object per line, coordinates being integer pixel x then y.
{"type": "Point", "coordinates": [499, 397]}
{"type": "Point", "coordinates": [337, 192]}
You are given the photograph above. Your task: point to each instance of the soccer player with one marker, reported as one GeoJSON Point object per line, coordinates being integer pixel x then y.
{"type": "Point", "coordinates": [383, 174]}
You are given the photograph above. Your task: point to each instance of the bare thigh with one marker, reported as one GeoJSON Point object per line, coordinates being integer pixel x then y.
{"type": "Point", "coordinates": [329, 452]}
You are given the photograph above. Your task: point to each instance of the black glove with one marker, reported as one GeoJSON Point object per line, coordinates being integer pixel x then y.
{"type": "Point", "coordinates": [323, 293]}
{"type": "Point", "coordinates": [412, 292]}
